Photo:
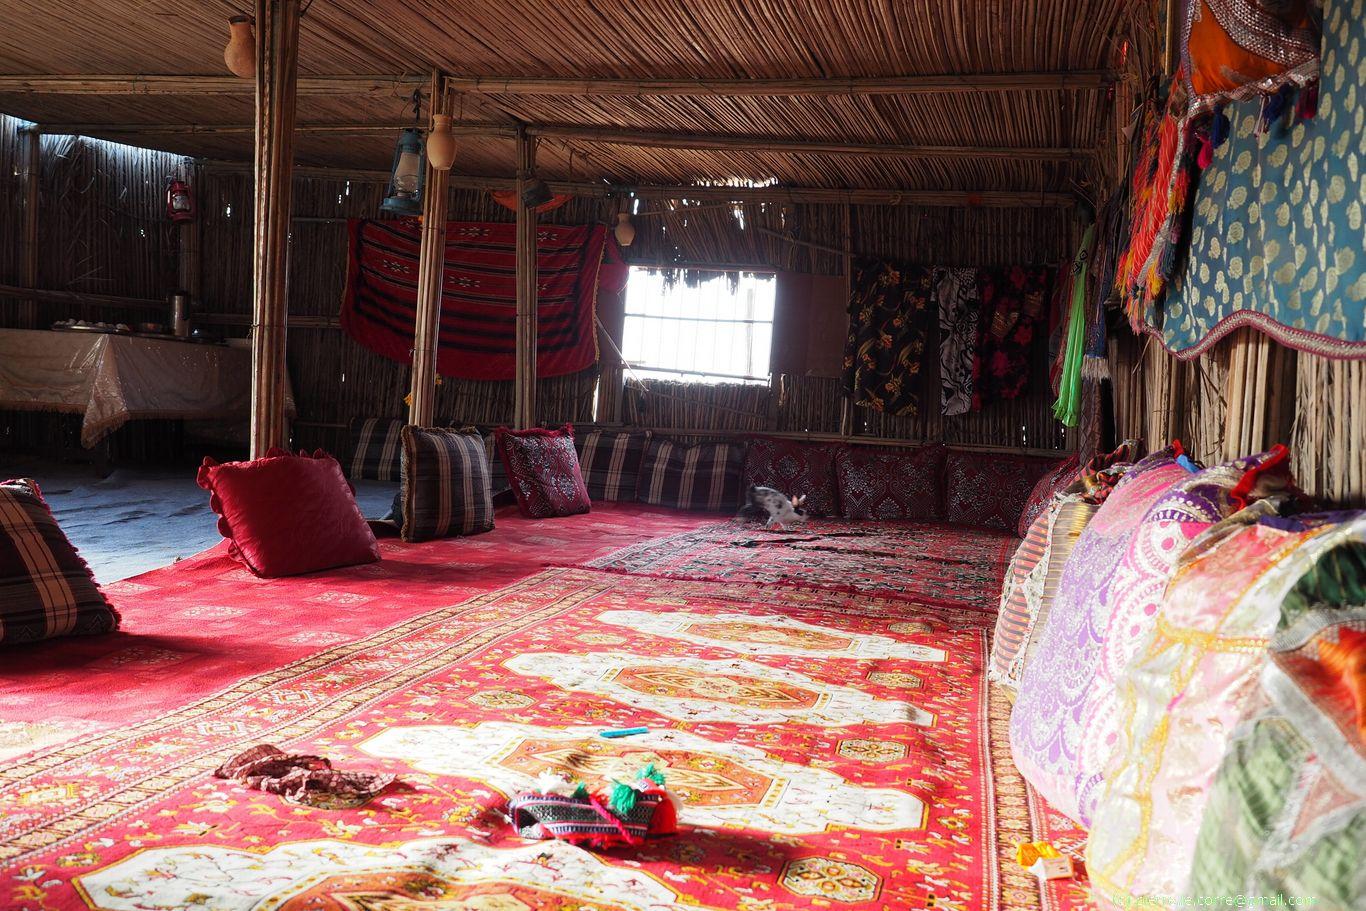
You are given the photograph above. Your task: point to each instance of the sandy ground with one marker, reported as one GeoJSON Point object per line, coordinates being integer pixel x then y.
{"type": "Point", "coordinates": [139, 519]}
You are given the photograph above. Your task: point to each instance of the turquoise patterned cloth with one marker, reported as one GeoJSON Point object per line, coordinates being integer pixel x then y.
{"type": "Point", "coordinates": [1277, 238]}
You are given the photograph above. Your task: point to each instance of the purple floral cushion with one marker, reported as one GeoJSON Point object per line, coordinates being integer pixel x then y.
{"type": "Point", "coordinates": [1045, 726]}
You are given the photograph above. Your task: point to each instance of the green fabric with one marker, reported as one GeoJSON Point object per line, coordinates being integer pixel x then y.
{"type": "Point", "coordinates": [1337, 578]}
{"type": "Point", "coordinates": [1068, 406]}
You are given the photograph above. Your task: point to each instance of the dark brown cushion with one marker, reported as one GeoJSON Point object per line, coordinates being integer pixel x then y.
{"type": "Point", "coordinates": [445, 483]}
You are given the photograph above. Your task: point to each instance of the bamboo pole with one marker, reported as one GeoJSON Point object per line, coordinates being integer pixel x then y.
{"type": "Point", "coordinates": [430, 266]}
{"type": "Point", "coordinates": [33, 149]}
{"type": "Point", "coordinates": [932, 84]}
{"type": "Point", "coordinates": [277, 48]}
{"type": "Point", "coordinates": [477, 128]}
{"type": "Point", "coordinates": [525, 382]}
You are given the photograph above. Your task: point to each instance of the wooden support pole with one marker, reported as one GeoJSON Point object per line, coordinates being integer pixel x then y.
{"type": "Point", "coordinates": [277, 56]}
{"type": "Point", "coordinates": [430, 268]}
{"type": "Point", "coordinates": [399, 86]}
{"type": "Point", "coordinates": [524, 394]}
{"type": "Point", "coordinates": [847, 239]}
{"type": "Point", "coordinates": [33, 150]}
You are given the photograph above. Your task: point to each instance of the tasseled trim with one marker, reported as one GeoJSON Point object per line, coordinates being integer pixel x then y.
{"type": "Point", "coordinates": [1095, 368]}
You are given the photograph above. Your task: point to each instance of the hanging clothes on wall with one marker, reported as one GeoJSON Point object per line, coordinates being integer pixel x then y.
{"type": "Point", "coordinates": [959, 306]}
{"type": "Point", "coordinates": [889, 312]}
{"type": "Point", "coordinates": [1237, 49]}
{"type": "Point", "coordinates": [1067, 408]}
{"type": "Point", "coordinates": [1012, 305]}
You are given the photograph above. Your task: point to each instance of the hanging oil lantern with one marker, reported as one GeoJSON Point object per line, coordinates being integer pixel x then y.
{"type": "Point", "coordinates": [179, 202]}
{"type": "Point", "coordinates": [404, 193]}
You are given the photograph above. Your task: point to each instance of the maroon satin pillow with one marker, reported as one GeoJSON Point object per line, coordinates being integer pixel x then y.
{"type": "Point", "coordinates": [543, 469]}
{"type": "Point", "coordinates": [288, 514]}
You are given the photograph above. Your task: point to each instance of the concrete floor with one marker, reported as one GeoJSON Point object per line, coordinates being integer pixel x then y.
{"type": "Point", "coordinates": [139, 519]}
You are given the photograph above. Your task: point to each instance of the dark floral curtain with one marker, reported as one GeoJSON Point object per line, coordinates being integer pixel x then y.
{"type": "Point", "coordinates": [890, 307]}
{"type": "Point", "coordinates": [1012, 311]}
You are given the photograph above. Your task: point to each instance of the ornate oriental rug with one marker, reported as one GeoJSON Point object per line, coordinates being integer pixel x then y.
{"type": "Point", "coordinates": [919, 561]}
{"type": "Point", "coordinates": [832, 751]}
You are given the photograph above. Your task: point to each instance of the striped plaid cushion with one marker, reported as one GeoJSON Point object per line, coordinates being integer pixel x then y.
{"type": "Point", "coordinates": [445, 483]}
{"type": "Point", "coordinates": [46, 590]}
{"type": "Point", "coordinates": [377, 449]}
{"type": "Point", "coordinates": [1020, 598]}
{"type": "Point", "coordinates": [610, 463]}
{"type": "Point", "coordinates": [702, 476]}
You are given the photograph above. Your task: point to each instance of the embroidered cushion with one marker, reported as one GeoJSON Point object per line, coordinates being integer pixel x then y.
{"type": "Point", "coordinates": [1135, 592]}
{"type": "Point", "coordinates": [445, 483]}
{"type": "Point", "coordinates": [376, 449]}
{"type": "Point", "coordinates": [543, 469]}
{"type": "Point", "coordinates": [610, 463]}
{"type": "Point", "coordinates": [46, 590]}
{"type": "Point", "coordinates": [1059, 478]}
{"type": "Point", "coordinates": [701, 476]}
{"type": "Point", "coordinates": [795, 468]}
{"type": "Point", "coordinates": [1045, 731]}
{"type": "Point", "coordinates": [880, 483]}
{"type": "Point", "coordinates": [1286, 814]}
{"type": "Point", "coordinates": [1193, 677]}
{"type": "Point", "coordinates": [1026, 602]}
{"type": "Point", "coordinates": [288, 514]}
{"type": "Point", "coordinates": [990, 489]}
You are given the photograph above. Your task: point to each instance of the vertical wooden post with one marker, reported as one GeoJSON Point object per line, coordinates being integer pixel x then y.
{"type": "Point", "coordinates": [524, 393]}
{"type": "Point", "coordinates": [847, 232]}
{"type": "Point", "coordinates": [277, 57]}
{"type": "Point", "coordinates": [1171, 45]}
{"type": "Point", "coordinates": [28, 309]}
{"type": "Point", "coordinates": [430, 271]}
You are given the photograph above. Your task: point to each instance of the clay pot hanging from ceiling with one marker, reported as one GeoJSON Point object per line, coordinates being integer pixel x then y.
{"type": "Point", "coordinates": [240, 54]}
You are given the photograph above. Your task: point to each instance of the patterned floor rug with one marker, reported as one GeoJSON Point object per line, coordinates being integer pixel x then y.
{"type": "Point", "coordinates": [831, 751]}
{"type": "Point", "coordinates": [925, 562]}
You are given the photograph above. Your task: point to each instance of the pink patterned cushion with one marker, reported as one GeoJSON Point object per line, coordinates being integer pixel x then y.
{"type": "Point", "coordinates": [1135, 593]}
{"type": "Point", "coordinates": [1061, 477]}
{"type": "Point", "coordinates": [989, 489]}
{"type": "Point", "coordinates": [543, 469]}
{"type": "Point", "coordinates": [795, 468]}
{"type": "Point", "coordinates": [878, 483]}
{"type": "Point", "coordinates": [1045, 726]}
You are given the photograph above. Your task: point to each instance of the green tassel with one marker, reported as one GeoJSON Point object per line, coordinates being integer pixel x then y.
{"type": "Point", "coordinates": [653, 774]}
{"type": "Point", "coordinates": [580, 792]}
{"type": "Point", "coordinates": [623, 799]}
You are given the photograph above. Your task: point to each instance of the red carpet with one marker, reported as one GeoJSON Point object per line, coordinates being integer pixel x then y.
{"type": "Point", "coordinates": [833, 750]}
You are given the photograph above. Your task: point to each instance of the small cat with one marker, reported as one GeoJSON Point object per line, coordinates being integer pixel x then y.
{"type": "Point", "coordinates": [773, 507]}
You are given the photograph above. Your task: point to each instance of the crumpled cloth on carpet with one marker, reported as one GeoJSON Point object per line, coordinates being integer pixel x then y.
{"type": "Point", "coordinates": [301, 778]}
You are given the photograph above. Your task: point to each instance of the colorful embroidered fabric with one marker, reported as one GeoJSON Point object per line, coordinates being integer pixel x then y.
{"type": "Point", "coordinates": [1286, 814]}
{"type": "Point", "coordinates": [889, 313]}
{"type": "Point", "coordinates": [959, 304]}
{"type": "Point", "coordinates": [796, 468]}
{"type": "Point", "coordinates": [990, 490]}
{"type": "Point", "coordinates": [1100, 475]}
{"type": "Point", "coordinates": [46, 589]}
{"type": "Point", "coordinates": [1193, 677]}
{"type": "Point", "coordinates": [879, 483]}
{"type": "Point", "coordinates": [1234, 49]}
{"type": "Point", "coordinates": [1012, 306]}
{"type": "Point", "coordinates": [543, 469]}
{"type": "Point", "coordinates": [1134, 593]}
{"type": "Point", "coordinates": [1277, 220]}
{"type": "Point", "coordinates": [1045, 728]}
{"type": "Point", "coordinates": [1064, 475]}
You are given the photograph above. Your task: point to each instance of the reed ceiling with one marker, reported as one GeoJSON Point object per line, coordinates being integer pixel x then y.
{"type": "Point", "coordinates": [641, 39]}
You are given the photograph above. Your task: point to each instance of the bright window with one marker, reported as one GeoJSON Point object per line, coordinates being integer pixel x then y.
{"type": "Point", "coordinates": [717, 331]}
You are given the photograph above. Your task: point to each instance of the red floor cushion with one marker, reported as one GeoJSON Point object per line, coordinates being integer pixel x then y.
{"type": "Point", "coordinates": [989, 489]}
{"type": "Point", "coordinates": [543, 469]}
{"type": "Point", "coordinates": [1057, 479]}
{"type": "Point", "coordinates": [46, 590]}
{"type": "Point", "coordinates": [795, 468]}
{"type": "Point", "coordinates": [288, 514]}
{"type": "Point", "coordinates": [884, 483]}
{"type": "Point", "coordinates": [701, 476]}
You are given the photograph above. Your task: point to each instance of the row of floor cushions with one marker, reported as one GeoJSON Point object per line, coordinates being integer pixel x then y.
{"type": "Point", "coordinates": [926, 483]}
{"type": "Point", "coordinates": [46, 590]}
{"type": "Point", "coordinates": [1139, 709]}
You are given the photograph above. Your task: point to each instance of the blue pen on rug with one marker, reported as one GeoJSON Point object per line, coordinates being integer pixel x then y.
{"type": "Point", "coordinates": [623, 732]}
